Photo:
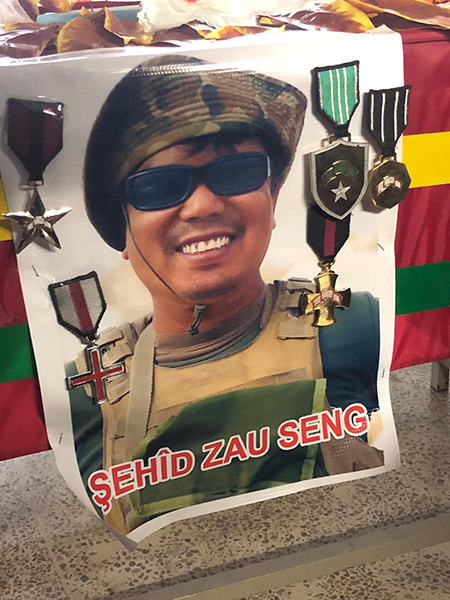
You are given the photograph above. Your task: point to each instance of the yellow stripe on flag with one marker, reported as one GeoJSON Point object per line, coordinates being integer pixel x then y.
{"type": "Point", "coordinates": [427, 158]}
{"type": "Point", "coordinates": [5, 228]}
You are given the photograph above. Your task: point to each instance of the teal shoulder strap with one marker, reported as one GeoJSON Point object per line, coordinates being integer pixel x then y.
{"type": "Point", "coordinates": [350, 350]}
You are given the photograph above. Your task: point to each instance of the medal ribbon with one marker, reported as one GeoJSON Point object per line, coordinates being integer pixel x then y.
{"type": "Point", "coordinates": [79, 304]}
{"type": "Point", "coordinates": [326, 235]}
{"type": "Point", "coordinates": [388, 116]}
{"type": "Point", "coordinates": [336, 91]}
{"type": "Point", "coordinates": [35, 134]}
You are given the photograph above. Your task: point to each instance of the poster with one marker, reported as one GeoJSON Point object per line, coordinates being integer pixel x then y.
{"type": "Point", "coordinates": [225, 392]}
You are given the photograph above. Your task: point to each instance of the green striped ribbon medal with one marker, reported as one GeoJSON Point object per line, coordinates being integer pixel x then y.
{"type": "Point", "coordinates": [387, 118]}
{"type": "Point", "coordinates": [339, 170]}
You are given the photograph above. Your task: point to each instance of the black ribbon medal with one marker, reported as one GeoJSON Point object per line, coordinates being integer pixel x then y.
{"type": "Point", "coordinates": [326, 236]}
{"type": "Point", "coordinates": [80, 305]}
{"type": "Point", "coordinates": [35, 135]}
{"type": "Point", "coordinates": [387, 118]}
{"type": "Point", "coordinates": [339, 170]}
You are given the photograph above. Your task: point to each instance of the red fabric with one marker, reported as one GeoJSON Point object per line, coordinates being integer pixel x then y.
{"type": "Point", "coordinates": [427, 69]}
{"type": "Point", "coordinates": [421, 337]}
{"type": "Point", "coordinates": [12, 308]}
{"type": "Point", "coordinates": [423, 225]}
{"type": "Point", "coordinates": [81, 307]}
{"type": "Point", "coordinates": [22, 428]}
{"type": "Point", "coordinates": [330, 237]}
{"type": "Point", "coordinates": [423, 228]}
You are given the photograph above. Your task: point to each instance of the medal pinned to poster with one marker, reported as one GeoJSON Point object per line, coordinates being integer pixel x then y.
{"type": "Point", "coordinates": [35, 135]}
{"type": "Point", "coordinates": [339, 170]}
{"type": "Point", "coordinates": [80, 305]}
{"type": "Point", "coordinates": [326, 236]}
{"type": "Point", "coordinates": [387, 117]}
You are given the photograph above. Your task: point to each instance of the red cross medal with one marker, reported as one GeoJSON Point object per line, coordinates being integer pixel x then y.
{"type": "Point", "coordinates": [96, 374]}
{"type": "Point", "coordinates": [80, 305]}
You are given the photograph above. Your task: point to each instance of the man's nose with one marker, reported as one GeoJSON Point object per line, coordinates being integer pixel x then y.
{"type": "Point", "coordinates": [203, 203]}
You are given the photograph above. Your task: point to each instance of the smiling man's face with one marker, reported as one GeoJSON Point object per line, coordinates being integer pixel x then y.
{"type": "Point", "coordinates": [209, 245]}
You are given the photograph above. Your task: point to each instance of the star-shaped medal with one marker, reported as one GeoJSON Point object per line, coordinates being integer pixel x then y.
{"type": "Point", "coordinates": [341, 192]}
{"type": "Point", "coordinates": [37, 222]}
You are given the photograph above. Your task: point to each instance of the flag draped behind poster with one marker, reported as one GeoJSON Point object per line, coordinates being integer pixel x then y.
{"type": "Point", "coordinates": [422, 254]}
{"type": "Point", "coordinates": [422, 247]}
{"type": "Point", "coordinates": [22, 429]}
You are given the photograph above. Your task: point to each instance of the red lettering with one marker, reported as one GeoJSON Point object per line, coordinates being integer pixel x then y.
{"type": "Point", "coordinates": [178, 468]}
{"type": "Point", "coordinates": [235, 449]}
{"type": "Point", "coordinates": [100, 485]}
{"type": "Point", "coordinates": [162, 454]}
{"type": "Point", "coordinates": [356, 420]}
{"type": "Point", "coordinates": [288, 435]}
{"type": "Point", "coordinates": [211, 461]}
{"type": "Point", "coordinates": [143, 472]}
{"type": "Point", "coordinates": [264, 442]}
{"type": "Point", "coordinates": [332, 425]}
{"type": "Point", "coordinates": [121, 476]}
{"type": "Point", "coordinates": [309, 430]}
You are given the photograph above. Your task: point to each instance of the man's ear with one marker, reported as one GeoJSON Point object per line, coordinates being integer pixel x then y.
{"type": "Point", "coordinates": [125, 254]}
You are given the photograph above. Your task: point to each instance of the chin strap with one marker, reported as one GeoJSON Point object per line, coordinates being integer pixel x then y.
{"type": "Point", "coordinates": [199, 313]}
{"type": "Point", "coordinates": [199, 309]}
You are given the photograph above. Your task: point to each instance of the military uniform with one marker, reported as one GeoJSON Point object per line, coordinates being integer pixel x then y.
{"type": "Point", "coordinates": [279, 372]}
{"type": "Point", "coordinates": [279, 376]}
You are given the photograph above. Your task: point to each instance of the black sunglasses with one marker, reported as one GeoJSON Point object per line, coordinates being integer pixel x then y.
{"type": "Point", "coordinates": [171, 185]}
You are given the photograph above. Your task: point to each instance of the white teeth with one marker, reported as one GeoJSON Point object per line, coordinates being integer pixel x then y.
{"type": "Point", "coordinates": [204, 246]}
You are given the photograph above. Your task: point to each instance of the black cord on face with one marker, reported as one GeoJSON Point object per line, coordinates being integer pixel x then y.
{"type": "Point", "coordinates": [199, 309]}
{"type": "Point", "coordinates": [127, 219]}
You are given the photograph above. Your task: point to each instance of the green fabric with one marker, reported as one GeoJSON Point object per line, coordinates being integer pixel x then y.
{"type": "Point", "coordinates": [339, 93]}
{"type": "Point", "coordinates": [16, 356]}
{"type": "Point", "coordinates": [309, 464]}
{"type": "Point", "coordinates": [424, 287]}
{"type": "Point", "coordinates": [87, 425]}
{"type": "Point", "coordinates": [221, 417]}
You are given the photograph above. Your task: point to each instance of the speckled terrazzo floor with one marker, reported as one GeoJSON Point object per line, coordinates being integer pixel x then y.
{"type": "Point", "coordinates": [423, 575]}
{"type": "Point", "coordinates": [53, 548]}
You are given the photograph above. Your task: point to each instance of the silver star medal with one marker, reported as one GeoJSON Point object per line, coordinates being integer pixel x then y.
{"type": "Point", "coordinates": [37, 222]}
{"type": "Point", "coordinates": [341, 192]}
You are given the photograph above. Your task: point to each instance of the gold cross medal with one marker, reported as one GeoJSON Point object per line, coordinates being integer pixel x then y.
{"type": "Point", "coordinates": [339, 169]}
{"type": "Point", "coordinates": [326, 236]}
{"type": "Point", "coordinates": [387, 117]}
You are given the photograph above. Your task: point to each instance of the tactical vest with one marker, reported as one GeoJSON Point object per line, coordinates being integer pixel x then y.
{"type": "Point", "coordinates": [285, 353]}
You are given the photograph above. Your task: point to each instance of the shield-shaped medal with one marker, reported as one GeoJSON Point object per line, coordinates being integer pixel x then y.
{"type": "Point", "coordinates": [80, 305]}
{"type": "Point", "coordinates": [339, 177]}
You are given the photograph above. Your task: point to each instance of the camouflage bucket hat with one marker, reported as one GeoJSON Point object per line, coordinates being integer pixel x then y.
{"type": "Point", "coordinates": [168, 100]}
